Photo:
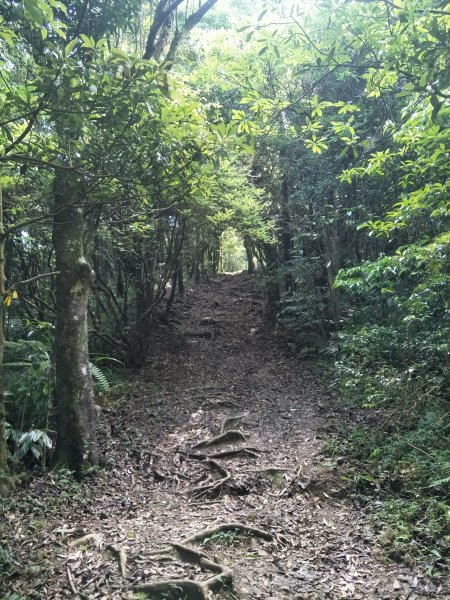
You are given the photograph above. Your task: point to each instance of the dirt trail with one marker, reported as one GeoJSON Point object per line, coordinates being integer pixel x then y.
{"type": "Point", "coordinates": [168, 475]}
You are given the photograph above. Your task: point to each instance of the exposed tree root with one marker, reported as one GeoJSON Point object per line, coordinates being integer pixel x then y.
{"type": "Point", "coordinates": [174, 588]}
{"type": "Point", "coordinates": [206, 533]}
{"type": "Point", "coordinates": [95, 538]}
{"type": "Point", "coordinates": [191, 590]}
{"type": "Point", "coordinates": [200, 334]}
{"type": "Point", "coordinates": [231, 422]}
{"type": "Point", "coordinates": [229, 437]}
{"type": "Point", "coordinates": [195, 590]}
{"type": "Point", "coordinates": [215, 402]}
{"type": "Point", "coordinates": [189, 555]}
{"type": "Point", "coordinates": [216, 485]}
{"type": "Point", "coordinates": [222, 576]}
{"type": "Point", "coordinates": [247, 451]}
{"type": "Point", "coordinates": [121, 556]}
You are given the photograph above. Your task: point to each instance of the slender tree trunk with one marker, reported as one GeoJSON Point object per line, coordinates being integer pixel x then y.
{"type": "Point", "coordinates": [173, 291]}
{"type": "Point", "coordinates": [286, 240]}
{"type": "Point", "coordinates": [272, 278]}
{"type": "Point", "coordinates": [181, 279]}
{"type": "Point", "coordinates": [249, 252]}
{"type": "Point", "coordinates": [331, 244]}
{"type": "Point", "coordinates": [76, 436]}
{"type": "Point", "coordinates": [4, 471]}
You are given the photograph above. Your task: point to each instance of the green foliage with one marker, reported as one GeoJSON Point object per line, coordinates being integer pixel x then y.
{"type": "Point", "coordinates": [401, 467]}
{"type": "Point", "coordinates": [28, 383]}
{"type": "Point", "coordinates": [232, 251]}
{"type": "Point", "coordinates": [415, 528]}
{"type": "Point", "coordinates": [397, 336]}
{"type": "Point", "coordinates": [35, 441]}
{"type": "Point", "coordinates": [6, 558]}
{"type": "Point", "coordinates": [356, 168]}
{"type": "Point", "coordinates": [303, 311]}
{"type": "Point", "coordinates": [393, 353]}
{"type": "Point", "coordinates": [100, 379]}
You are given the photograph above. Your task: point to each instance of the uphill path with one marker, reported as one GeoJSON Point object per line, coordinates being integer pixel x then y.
{"type": "Point", "coordinates": [213, 481]}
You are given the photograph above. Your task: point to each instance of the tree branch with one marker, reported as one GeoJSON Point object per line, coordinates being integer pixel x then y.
{"type": "Point", "coordinates": [31, 280]}
{"type": "Point", "coordinates": [190, 23]}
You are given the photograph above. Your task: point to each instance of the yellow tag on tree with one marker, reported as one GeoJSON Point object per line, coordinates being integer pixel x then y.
{"type": "Point", "coordinates": [10, 297]}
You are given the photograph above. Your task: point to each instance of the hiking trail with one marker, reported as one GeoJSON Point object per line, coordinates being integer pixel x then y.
{"type": "Point", "coordinates": [212, 481]}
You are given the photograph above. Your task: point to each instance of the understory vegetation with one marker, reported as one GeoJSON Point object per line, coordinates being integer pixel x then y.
{"type": "Point", "coordinates": [149, 146]}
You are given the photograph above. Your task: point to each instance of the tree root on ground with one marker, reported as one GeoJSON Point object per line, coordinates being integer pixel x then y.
{"type": "Point", "coordinates": [247, 451]}
{"type": "Point", "coordinates": [200, 334]}
{"type": "Point", "coordinates": [221, 577]}
{"type": "Point", "coordinates": [229, 437]}
{"type": "Point", "coordinates": [216, 485]}
{"type": "Point", "coordinates": [175, 588]}
{"type": "Point", "coordinates": [199, 590]}
{"type": "Point", "coordinates": [231, 422]}
{"type": "Point", "coordinates": [121, 556]}
{"type": "Point", "coordinates": [218, 402]}
{"type": "Point", "coordinates": [222, 527]}
{"type": "Point", "coordinates": [95, 538]}
{"type": "Point", "coordinates": [191, 590]}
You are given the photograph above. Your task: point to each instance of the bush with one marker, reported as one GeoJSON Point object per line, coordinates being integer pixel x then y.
{"type": "Point", "coordinates": [393, 355]}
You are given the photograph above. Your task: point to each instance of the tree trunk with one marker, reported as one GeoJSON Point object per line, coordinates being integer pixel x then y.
{"type": "Point", "coordinates": [272, 278]}
{"type": "Point", "coordinates": [173, 291]}
{"type": "Point", "coordinates": [76, 435]}
{"type": "Point", "coordinates": [249, 252]}
{"type": "Point", "coordinates": [331, 245]}
{"type": "Point", "coordinates": [4, 471]}
{"type": "Point", "coordinates": [286, 240]}
{"type": "Point", "coordinates": [181, 278]}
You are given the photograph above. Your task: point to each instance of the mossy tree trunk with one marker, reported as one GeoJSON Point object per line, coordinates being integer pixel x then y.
{"type": "Point", "coordinates": [76, 435]}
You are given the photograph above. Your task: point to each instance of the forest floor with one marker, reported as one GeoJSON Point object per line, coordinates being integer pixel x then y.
{"type": "Point", "coordinates": [219, 439]}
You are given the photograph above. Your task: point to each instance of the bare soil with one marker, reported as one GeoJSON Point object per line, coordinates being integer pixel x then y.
{"type": "Point", "coordinates": [212, 484]}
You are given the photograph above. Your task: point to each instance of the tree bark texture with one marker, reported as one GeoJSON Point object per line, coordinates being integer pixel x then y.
{"type": "Point", "coordinates": [250, 255]}
{"type": "Point", "coordinates": [76, 435]}
{"type": "Point", "coordinates": [3, 448]}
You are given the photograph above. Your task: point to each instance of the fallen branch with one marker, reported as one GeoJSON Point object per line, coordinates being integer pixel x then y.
{"type": "Point", "coordinates": [229, 437]}
{"type": "Point", "coordinates": [73, 587]}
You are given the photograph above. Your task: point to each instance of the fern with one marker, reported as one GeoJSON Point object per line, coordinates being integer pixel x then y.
{"type": "Point", "coordinates": [440, 482]}
{"type": "Point", "coordinates": [443, 468]}
{"type": "Point", "coordinates": [99, 377]}
{"type": "Point", "coordinates": [29, 383]}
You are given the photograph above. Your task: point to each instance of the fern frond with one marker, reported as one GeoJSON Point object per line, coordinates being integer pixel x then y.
{"type": "Point", "coordinates": [100, 378]}
{"type": "Point", "coordinates": [440, 482]}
